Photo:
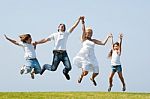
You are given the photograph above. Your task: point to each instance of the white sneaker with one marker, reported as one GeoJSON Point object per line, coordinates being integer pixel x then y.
{"type": "Point", "coordinates": [32, 75]}
{"type": "Point", "coordinates": [22, 70]}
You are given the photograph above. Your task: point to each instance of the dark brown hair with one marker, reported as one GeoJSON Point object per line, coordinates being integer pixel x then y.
{"type": "Point", "coordinates": [111, 51]}
{"type": "Point", "coordinates": [25, 37]}
{"type": "Point", "coordinates": [63, 25]}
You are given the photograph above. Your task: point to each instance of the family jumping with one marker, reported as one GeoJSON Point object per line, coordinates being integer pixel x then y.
{"type": "Point", "coordinates": [85, 59]}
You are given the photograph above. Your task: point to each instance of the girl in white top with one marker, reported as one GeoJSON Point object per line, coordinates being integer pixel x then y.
{"type": "Point", "coordinates": [114, 55]}
{"type": "Point", "coordinates": [85, 58]}
{"type": "Point", "coordinates": [32, 65]}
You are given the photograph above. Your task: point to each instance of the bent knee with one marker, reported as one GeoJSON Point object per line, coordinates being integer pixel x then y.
{"type": "Point", "coordinates": [53, 68]}
{"type": "Point", "coordinates": [85, 73]}
{"type": "Point", "coordinates": [69, 69]}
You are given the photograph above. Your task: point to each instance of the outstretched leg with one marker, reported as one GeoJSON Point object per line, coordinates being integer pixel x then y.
{"type": "Point", "coordinates": [110, 81]}
{"type": "Point", "coordinates": [122, 80]}
{"type": "Point", "coordinates": [67, 64]}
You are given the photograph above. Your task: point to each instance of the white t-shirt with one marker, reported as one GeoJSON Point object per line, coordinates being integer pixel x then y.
{"type": "Point", "coordinates": [60, 39]}
{"type": "Point", "coordinates": [115, 60]}
{"type": "Point", "coordinates": [29, 50]}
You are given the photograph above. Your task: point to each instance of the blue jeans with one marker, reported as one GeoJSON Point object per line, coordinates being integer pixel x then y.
{"type": "Point", "coordinates": [57, 58]}
{"type": "Point", "coordinates": [32, 64]}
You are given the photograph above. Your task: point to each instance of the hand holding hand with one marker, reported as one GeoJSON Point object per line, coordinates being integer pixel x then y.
{"type": "Point", "coordinates": [110, 35]}
{"type": "Point", "coordinates": [82, 19]}
{"type": "Point", "coordinates": [34, 43]}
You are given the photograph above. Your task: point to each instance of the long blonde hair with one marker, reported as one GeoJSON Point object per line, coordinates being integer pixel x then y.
{"type": "Point", "coordinates": [84, 34]}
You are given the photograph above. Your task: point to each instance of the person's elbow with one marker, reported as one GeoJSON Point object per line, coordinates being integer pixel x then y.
{"type": "Point", "coordinates": [103, 43]}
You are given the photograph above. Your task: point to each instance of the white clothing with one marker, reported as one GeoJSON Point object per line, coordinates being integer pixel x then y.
{"type": "Point", "coordinates": [115, 60]}
{"type": "Point", "coordinates": [86, 59]}
{"type": "Point", "coordinates": [29, 50]}
{"type": "Point", "coordinates": [60, 39]}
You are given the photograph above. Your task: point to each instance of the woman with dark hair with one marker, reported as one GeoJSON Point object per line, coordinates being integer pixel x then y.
{"type": "Point", "coordinates": [114, 55]}
{"type": "Point", "coordinates": [60, 53]}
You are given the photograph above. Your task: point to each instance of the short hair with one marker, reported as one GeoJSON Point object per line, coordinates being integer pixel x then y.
{"type": "Point", "coordinates": [63, 25]}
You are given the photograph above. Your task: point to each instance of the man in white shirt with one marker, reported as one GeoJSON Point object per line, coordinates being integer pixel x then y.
{"type": "Point", "coordinates": [60, 39]}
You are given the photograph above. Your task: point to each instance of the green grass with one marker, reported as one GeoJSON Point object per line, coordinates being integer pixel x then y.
{"type": "Point", "coordinates": [73, 95]}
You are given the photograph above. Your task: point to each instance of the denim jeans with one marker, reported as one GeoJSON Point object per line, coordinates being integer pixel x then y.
{"type": "Point", "coordinates": [117, 68]}
{"type": "Point", "coordinates": [32, 64]}
{"type": "Point", "coordinates": [57, 58]}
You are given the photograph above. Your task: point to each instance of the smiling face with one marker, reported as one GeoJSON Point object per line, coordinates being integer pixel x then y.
{"type": "Point", "coordinates": [26, 38]}
{"type": "Point", "coordinates": [29, 40]}
{"type": "Point", "coordinates": [89, 33]}
{"type": "Point", "coordinates": [116, 46]}
{"type": "Point", "coordinates": [61, 28]}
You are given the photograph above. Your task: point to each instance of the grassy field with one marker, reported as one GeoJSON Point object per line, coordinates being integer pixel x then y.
{"type": "Point", "coordinates": [73, 95]}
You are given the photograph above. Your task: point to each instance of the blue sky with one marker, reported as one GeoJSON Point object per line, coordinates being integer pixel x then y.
{"type": "Point", "coordinates": [41, 18]}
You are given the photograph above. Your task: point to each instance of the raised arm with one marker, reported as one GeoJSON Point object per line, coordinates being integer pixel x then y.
{"type": "Point", "coordinates": [102, 42]}
{"type": "Point", "coordinates": [75, 25]}
{"type": "Point", "coordinates": [42, 41]}
{"type": "Point", "coordinates": [120, 41]}
{"type": "Point", "coordinates": [112, 41]}
{"type": "Point", "coordinates": [83, 28]}
{"type": "Point", "coordinates": [11, 40]}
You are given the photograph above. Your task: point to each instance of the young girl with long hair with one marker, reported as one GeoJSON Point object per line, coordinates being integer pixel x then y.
{"type": "Point", "coordinates": [32, 65]}
{"type": "Point", "coordinates": [114, 55]}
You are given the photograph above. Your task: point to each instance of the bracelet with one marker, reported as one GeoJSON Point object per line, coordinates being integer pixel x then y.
{"type": "Point", "coordinates": [83, 22]}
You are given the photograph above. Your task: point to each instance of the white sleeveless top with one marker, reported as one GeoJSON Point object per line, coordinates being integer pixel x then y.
{"type": "Point", "coordinates": [115, 60]}
{"type": "Point", "coordinates": [86, 57]}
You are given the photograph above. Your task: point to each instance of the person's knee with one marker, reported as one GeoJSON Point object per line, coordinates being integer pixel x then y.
{"type": "Point", "coordinates": [69, 69]}
{"type": "Point", "coordinates": [53, 68]}
{"type": "Point", "coordinates": [66, 70]}
{"type": "Point", "coordinates": [85, 73]}
{"type": "Point", "coordinates": [68, 66]}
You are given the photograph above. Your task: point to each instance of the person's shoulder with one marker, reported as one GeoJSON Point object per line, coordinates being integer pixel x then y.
{"type": "Point", "coordinates": [68, 31]}
{"type": "Point", "coordinates": [53, 34]}
{"type": "Point", "coordinates": [21, 43]}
